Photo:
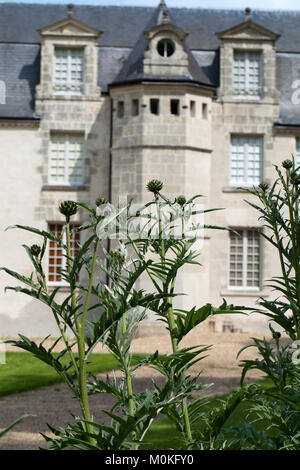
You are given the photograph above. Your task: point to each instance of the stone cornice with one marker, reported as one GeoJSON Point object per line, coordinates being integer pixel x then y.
{"type": "Point", "coordinates": [171, 147]}
{"type": "Point", "coordinates": [15, 122]}
{"type": "Point", "coordinates": [288, 129]}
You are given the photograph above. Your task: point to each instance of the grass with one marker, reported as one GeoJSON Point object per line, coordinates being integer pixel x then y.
{"type": "Point", "coordinates": [23, 371]}
{"type": "Point", "coordinates": [164, 435]}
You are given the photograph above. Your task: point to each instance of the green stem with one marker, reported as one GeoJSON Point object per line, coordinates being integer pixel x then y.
{"type": "Point", "coordinates": [126, 365]}
{"type": "Point", "coordinates": [80, 326]}
{"type": "Point", "coordinates": [127, 373]}
{"type": "Point", "coordinates": [172, 327]}
{"type": "Point", "coordinates": [81, 348]}
{"type": "Point", "coordinates": [62, 332]}
{"type": "Point", "coordinates": [295, 254]}
{"type": "Point", "coordinates": [69, 266]}
{"type": "Point", "coordinates": [171, 319]}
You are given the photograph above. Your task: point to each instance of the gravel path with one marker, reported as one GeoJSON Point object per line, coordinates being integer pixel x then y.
{"type": "Point", "coordinates": [55, 405]}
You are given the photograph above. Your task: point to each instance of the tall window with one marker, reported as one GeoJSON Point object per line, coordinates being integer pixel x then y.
{"type": "Point", "coordinates": [175, 107]}
{"type": "Point", "coordinates": [135, 107]}
{"type": "Point", "coordinates": [66, 164]}
{"type": "Point", "coordinates": [246, 160]}
{"type": "Point", "coordinates": [247, 74]}
{"type": "Point", "coordinates": [245, 259]}
{"type": "Point", "coordinates": [68, 70]}
{"type": "Point", "coordinates": [121, 108]}
{"type": "Point", "coordinates": [154, 106]}
{"type": "Point", "coordinates": [57, 260]}
{"type": "Point", "coordinates": [193, 108]}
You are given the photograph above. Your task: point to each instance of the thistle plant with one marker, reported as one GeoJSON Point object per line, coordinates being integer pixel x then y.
{"type": "Point", "coordinates": [154, 237]}
{"type": "Point", "coordinates": [110, 311]}
{"type": "Point", "coordinates": [278, 406]}
{"type": "Point", "coordinates": [279, 211]}
{"type": "Point", "coordinates": [72, 315]}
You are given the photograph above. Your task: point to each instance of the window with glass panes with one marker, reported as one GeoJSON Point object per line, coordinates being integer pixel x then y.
{"type": "Point", "coordinates": [68, 70]}
{"type": "Point", "coordinates": [66, 165]}
{"type": "Point", "coordinates": [57, 260]}
{"type": "Point", "coordinates": [244, 259]}
{"type": "Point", "coordinates": [246, 160]}
{"type": "Point", "coordinates": [247, 74]}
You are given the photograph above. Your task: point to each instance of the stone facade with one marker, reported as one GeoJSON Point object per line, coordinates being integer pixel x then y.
{"type": "Point", "coordinates": [167, 124]}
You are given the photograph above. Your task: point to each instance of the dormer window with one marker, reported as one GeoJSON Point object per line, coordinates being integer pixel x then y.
{"type": "Point", "coordinates": [68, 70]}
{"type": "Point", "coordinates": [166, 47]}
{"type": "Point", "coordinates": [247, 74]}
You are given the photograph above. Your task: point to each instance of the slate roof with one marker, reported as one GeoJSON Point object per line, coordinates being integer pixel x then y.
{"type": "Point", "coordinates": [20, 72]}
{"type": "Point", "coordinates": [122, 27]}
{"type": "Point", "coordinates": [133, 66]}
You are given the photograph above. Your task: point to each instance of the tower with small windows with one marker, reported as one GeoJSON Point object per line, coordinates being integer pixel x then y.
{"type": "Point", "coordinates": [161, 115]}
{"type": "Point", "coordinates": [161, 119]}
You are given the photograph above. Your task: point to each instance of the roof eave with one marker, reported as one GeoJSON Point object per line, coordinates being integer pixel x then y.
{"type": "Point", "coordinates": [161, 81]}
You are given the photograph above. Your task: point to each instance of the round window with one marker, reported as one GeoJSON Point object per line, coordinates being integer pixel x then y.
{"type": "Point", "coordinates": [165, 47]}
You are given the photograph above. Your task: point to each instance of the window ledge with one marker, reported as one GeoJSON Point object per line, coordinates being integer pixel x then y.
{"type": "Point", "coordinates": [69, 97]}
{"type": "Point", "coordinates": [54, 187]}
{"type": "Point", "coordinates": [236, 189]}
{"type": "Point", "coordinates": [244, 293]}
{"type": "Point", "coordinates": [62, 288]}
{"type": "Point", "coordinates": [246, 99]}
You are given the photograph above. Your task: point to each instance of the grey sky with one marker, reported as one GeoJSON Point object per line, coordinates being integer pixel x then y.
{"type": "Point", "coordinates": [240, 4]}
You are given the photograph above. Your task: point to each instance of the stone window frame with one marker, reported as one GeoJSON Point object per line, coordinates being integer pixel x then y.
{"type": "Point", "coordinates": [248, 182]}
{"type": "Point", "coordinates": [79, 37]}
{"type": "Point", "coordinates": [66, 183]}
{"type": "Point", "coordinates": [120, 109]}
{"type": "Point", "coordinates": [204, 110]}
{"type": "Point", "coordinates": [154, 105]}
{"type": "Point", "coordinates": [175, 107]}
{"type": "Point", "coordinates": [247, 52]}
{"type": "Point", "coordinates": [193, 109]}
{"type": "Point", "coordinates": [244, 287]}
{"type": "Point", "coordinates": [135, 107]}
{"type": "Point", "coordinates": [68, 49]}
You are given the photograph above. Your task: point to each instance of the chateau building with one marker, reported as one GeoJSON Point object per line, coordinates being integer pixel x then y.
{"type": "Point", "coordinates": [98, 100]}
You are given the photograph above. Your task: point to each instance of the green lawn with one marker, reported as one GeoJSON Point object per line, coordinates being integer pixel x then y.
{"type": "Point", "coordinates": [23, 371]}
{"type": "Point", "coordinates": [164, 435]}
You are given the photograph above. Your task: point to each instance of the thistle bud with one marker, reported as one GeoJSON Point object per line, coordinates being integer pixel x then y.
{"type": "Point", "coordinates": [101, 201]}
{"type": "Point", "coordinates": [263, 186]}
{"type": "Point", "coordinates": [181, 200]}
{"type": "Point", "coordinates": [35, 250]}
{"type": "Point", "coordinates": [295, 178]}
{"type": "Point", "coordinates": [68, 208]}
{"type": "Point", "coordinates": [276, 334]}
{"type": "Point", "coordinates": [154, 186]}
{"type": "Point", "coordinates": [287, 164]}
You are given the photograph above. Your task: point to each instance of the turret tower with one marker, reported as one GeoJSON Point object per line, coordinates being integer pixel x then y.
{"type": "Point", "coordinates": [161, 116]}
